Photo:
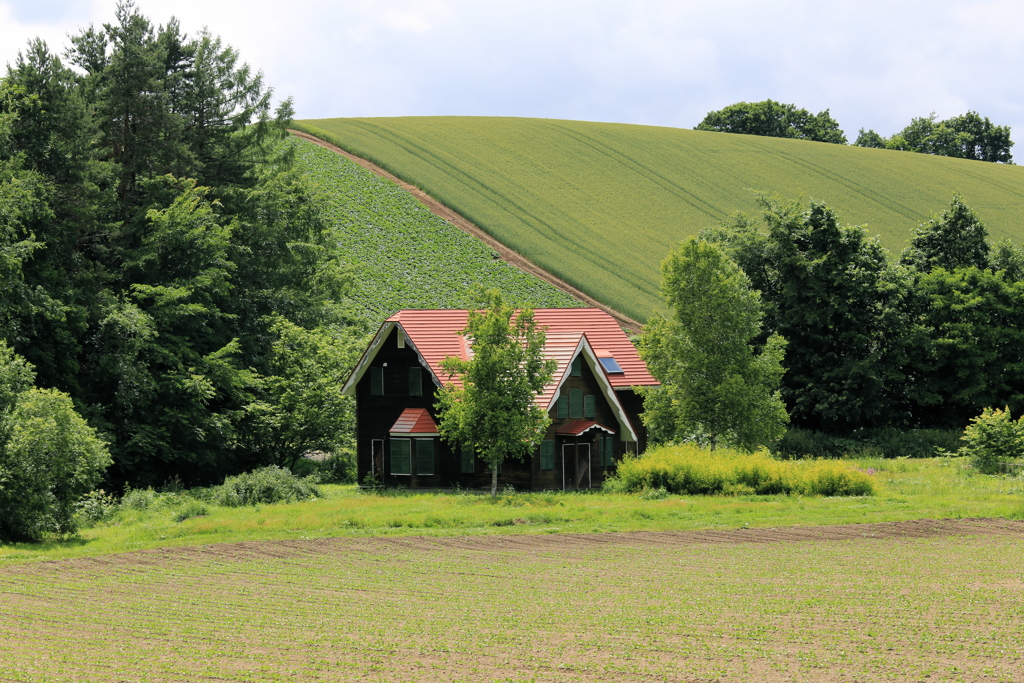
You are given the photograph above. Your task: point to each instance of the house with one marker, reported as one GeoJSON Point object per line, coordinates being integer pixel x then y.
{"type": "Point", "coordinates": [595, 413]}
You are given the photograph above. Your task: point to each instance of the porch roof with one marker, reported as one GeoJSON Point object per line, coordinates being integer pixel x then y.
{"type": "Point", "coordinates": [581, 427]}
{"type": "Point", "coordinates": [414, 422]}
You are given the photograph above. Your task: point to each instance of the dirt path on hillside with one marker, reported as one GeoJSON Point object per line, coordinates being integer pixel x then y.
{"type": "Point", "coordinates": [506, 254]}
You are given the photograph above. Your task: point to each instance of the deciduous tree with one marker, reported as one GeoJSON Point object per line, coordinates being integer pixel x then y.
{"type": "Point", "coordinates": [493, 411]}
{"type": "Point", "coordinates": [774, 119]}
{"type": "Point", "coordinates": [715, 382]}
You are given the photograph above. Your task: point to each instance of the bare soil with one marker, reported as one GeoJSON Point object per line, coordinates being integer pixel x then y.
{"type": "Point", "coordinates": [506, 254]}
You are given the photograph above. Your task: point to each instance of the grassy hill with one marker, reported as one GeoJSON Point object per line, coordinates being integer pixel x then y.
{"type": "Point", "coordinates": [600, 204]}
{"type": "Point", "coordinates": [405, 256]}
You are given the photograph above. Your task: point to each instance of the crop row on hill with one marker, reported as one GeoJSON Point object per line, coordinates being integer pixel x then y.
{"type": "Point", "coordinates": [405, 256]}
{"type": "Point", "coordinates": [600, 205]}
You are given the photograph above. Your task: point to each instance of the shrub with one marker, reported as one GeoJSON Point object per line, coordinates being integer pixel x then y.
{"type": "Point", "coordinates": [94, 507]}
{"type": "Point", "coordinates": [329, 468]}
{"type": "Point", "coordinates": [689, 469]}
{"type": "Point", "coordinates": [266, 485]}
{"type": "Point", "coordinates": [191, 509]}
{"type": "Point", "coordinates": [51, 458]}
{"type": "Point", "coordinates": [138, 499]}
{"type": "Point", "coordinates": [992, 439]}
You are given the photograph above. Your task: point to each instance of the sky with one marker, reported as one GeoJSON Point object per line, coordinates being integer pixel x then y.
{"type": "Point", "coordinates": [873, 63]}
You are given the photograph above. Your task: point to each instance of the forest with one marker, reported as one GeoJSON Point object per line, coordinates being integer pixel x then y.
{"type": "Point", "coordinates": [162, 261]}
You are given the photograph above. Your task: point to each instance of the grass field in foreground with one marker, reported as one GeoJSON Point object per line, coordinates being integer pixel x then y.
{"type": "Point", "coordinates": [907, 489]}
{"type": "Point", "coordinates": [540, 609]}
{"type": "Point", "coordinates": [601, 204]}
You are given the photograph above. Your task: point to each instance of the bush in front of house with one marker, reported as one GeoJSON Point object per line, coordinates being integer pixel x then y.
{"type": "Point", "coordinates": [271, 484]}
{"type": "Point", "coordinates": [692, 470]}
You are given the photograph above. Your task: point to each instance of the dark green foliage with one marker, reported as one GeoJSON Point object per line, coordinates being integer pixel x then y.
{"type": "Point", "coordinates": [869, 138]}
{"type": "Point", "coordinates": [328, 468]}
{"type": "Point", "coordinates": [264, 486]}
{"type": "Point", "coordinates": [154, 239]}
{"type": "Point", "coordinates": [774, 119]}
{"type": "Point", "coordinates": [886, 443]}
{"type": "Point", "coordinates": [968, 136]}
{"type": "Point", "coordinates": [954, 239]}
{"type": "Point", "coordinates": [828, 291]}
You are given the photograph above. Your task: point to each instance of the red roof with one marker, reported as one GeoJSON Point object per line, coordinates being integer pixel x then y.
{"type": "Point", "coordinates": [581, 426]}
{"type": "Point", "coordinates": [414, 421]}
{"type": "Point", "coordinates": [435, 334]}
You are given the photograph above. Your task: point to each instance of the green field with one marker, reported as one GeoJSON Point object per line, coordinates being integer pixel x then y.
{"type": "Point", "coordinates": [737, 606]}
{"type": "Point", "coordinates": [601, 204]}
{"type": "Point", "coordinates": [536, 587]}
{"type": "Point", "coordinates": [934, 488]}
{"type": "Point", "coordinates": [405, 256]}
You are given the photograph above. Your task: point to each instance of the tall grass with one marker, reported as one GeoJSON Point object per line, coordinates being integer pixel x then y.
{"type": "Point", "coordinates": [691, 470]}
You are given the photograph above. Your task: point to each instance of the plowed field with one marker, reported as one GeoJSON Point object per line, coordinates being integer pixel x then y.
{"type": "Point", "coordinates": [926, 600]}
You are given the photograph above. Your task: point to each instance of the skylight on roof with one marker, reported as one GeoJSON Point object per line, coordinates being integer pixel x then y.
{"type": "Point", "coordinates": [611, 366]}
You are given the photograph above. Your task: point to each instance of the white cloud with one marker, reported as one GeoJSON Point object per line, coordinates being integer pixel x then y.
{"type": "Point", "coordinates": [873, 63]}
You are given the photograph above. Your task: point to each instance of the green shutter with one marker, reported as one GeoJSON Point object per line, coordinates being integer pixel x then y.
{"type": "Point", "coordinates": [466, 463]}
{"type": "Point", "coordinates": [415, 382]}
{"type": "Point", "coordinates": [575, 403]}
{"type": "Point", "coordinates": [609, 451]}
{"type": "Point", "coordinates": [588, 405]}
{"type": "Point", "coordinates": [576, 369]}
{"type": "Point", "coordinates": [400, 460]}
{"type": "Point", "coordinates": [547, 454]}
{"type": "Point", "coordinates": [562, 407]}
{"type": "Point", "coordinates": [376, 381]}
{"type": "Point", "coordinates": [424, 456]}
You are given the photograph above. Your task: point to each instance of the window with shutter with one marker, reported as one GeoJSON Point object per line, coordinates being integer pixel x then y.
{"type": "Point", "coordinates": [547, 454]}
{"type": "Point", "coordinates": [466, 463]}
{"type": "Point", "coordinates": [562, 407]}
{"type": "Point", "coordinates": [415, 382]}
{"type": "Point", "coordinates": [588, 405]}
{"type": "Point", "coordinates": [376, 381]}
{"type": "Point", "coordinates": [401, 456]}
{"type": "Point", "coordinates": [576, 369]}
{"type": "Point", "coordinates": [575, 403]}
{"type": "Point", "coordinates": [424, 457]}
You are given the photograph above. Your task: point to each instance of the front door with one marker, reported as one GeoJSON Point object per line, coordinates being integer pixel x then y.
{"type": "Point", "coordinates": [377, 459]}
{"type": "Point", "coordinates": [575, 466]}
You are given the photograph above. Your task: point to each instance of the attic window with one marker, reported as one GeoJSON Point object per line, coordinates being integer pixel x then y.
{"type": "Point", "coordinates": [401, 339]}
{"type": "Point", "coordinates": [611, 366]}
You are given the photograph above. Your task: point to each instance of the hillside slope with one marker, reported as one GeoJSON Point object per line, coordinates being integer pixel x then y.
{"type": "Point", "coordinates": [405, 256]}
{"type": "Point", "coordinates": [599, 204]}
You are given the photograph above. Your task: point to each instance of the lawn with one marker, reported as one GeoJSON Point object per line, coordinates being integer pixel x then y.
{"type": "Point", "coordinates": [601, 204]}
{"type": "Point", "coordinates": [532, 587]}
{"type": "Point", "coordinates": [907, 490]}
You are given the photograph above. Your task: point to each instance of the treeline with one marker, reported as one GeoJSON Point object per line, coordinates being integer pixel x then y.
{"type": "Point", "coordinates": [161, 262]}
{"type": "Point", "coordinates": [925, 341]}
{"type": "Point", "coordinates": [969, 136]}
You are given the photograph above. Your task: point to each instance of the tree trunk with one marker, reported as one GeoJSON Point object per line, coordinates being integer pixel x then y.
{"type": "Point", "coordinates": [494, 480]}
